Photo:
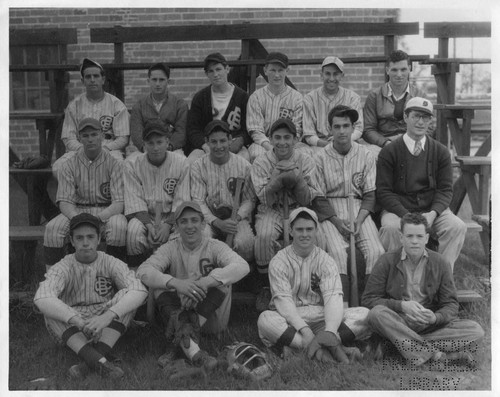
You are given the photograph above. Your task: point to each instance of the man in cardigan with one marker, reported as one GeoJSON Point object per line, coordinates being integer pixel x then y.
{"type": "Point", "coordinates": [221, 100]}
{"type": "Point", "coordinates": [414, 175]}
{"type": "Point", "coordinates": [413, 302]}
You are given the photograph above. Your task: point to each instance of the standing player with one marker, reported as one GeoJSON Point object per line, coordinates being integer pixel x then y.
{"type": "Point", "coordinates": [274, 101]}
{"type": "Point", "coordinates": [157, 176]}
{"type": "Point", "coordinates": [96, 104]}
{"type": "Point", "coordinates": [160, 105]}
{"type": "Point", "coordinates": [306, 307]}
{"type": "Point", "coordinates": [88, 299]}
{"type": "Point", "coordinates": [191, 278]}
{"type": "Point", "coordinates": [220, 100]}
{"type": "Point", "coordinates": [343, 168]}
{"type": "Point", "coordinates": [319, 102]}
{"type": "Point", "coordinates": [212, 177]}
{"type": "Point", "coordinates": [277, 175]}
{"type": "Point", "coordinates": [92, 182]}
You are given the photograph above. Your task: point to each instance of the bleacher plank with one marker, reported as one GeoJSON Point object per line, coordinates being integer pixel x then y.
{"type": "Point", "coordinates": [24, 233]}
{"type": "Point", "coordinates": [468, 296]}
{"type": "Point", "coordinates": [473, 226]}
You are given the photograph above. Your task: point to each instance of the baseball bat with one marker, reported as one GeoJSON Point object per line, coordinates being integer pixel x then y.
{"type": "Point", "coordinates": [353, 270]}
{"type": "Point", "coordinates": [286, 215]}
{"type": "Point", "coordinates": [150, 306]}
{"type": "Point", "coordinates": [236, 207]}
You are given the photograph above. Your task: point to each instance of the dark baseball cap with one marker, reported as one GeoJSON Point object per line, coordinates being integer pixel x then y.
{"type": "Point", "coordinates": [89, 123]}
{"type": "Point", "coordinates": [185, 205]}
{"type": "Point", "coordinates": [154, 127]}
{"type": "Point", "coordinates": [216, 125]}
{"type": "Point", "coordinates": [277, 57]}
{"type": "Point", "coordinates": [89, 63]}
{"type": "Point", "coordinates": [160, 66]}
{"type": "Point", "coordinates": [283, 123]}
{"type": "Point", "coordinates": [343, 111]}
{"type": "Point", "coordinates": [215, 57]}
{"type": "Point", "coordinates": [84, 218]}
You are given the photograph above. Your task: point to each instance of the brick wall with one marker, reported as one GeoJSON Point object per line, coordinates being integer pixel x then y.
{"type": "Point", "coordinates": [185, 82]}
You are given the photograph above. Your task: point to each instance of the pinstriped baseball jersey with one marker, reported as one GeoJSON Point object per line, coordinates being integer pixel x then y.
{"type": "Point", "coordinates": [209, 183]}
{"type": "Point", "coordinates": [87, 289]}
{"type": "Point", "coordinates": [306, 281]}
{"type": "Point", "coordinates": [317, 105]}
{"type": "Point", "coordinates": [145, 184]}
{"type": "Point", "coordinates": [211, 257]}
{"type": "Point", "coordinates": [85, 182]}
{"type": "Point", "coordinates": [110, 111]}
{"type": "Point", "coordinates": [264, 108]}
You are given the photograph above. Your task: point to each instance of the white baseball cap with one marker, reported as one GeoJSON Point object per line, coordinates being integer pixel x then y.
{"type": "Point", "coordinates": [299, 210]}
{"type": "Point", "coordinates": [421, 104]}
{"type": "Point", "coordinates": [336, 61]}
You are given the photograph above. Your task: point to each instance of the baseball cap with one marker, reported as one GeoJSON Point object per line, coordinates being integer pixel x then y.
{"type": "Point", "coordinates": [185, 205]}
{"type": "Point", "coordinates": [277, 57]}
{"type": "Point", "coordinates": [216, 125]}
{"type": "Point", "coordinates": [84, 218]}
{"type": "Point", "coordinates": [216, 57]}
{"type": "Point", "coordinates": [160, 66]}
{"type": "Point", "coordinates": [422, 104]}
{"type": "Point", "coordinates": [153, 127]}
{"type": "Point", "coordinates": [333, 60]}
{"type": "Point", "coordinates": [89, 122]}
{"type": "Point", "coordinates": [299, 210]}
{"type": "Point", "coordinates": [343, 111]}
{"type": "Point", "coordinates": [89, 63]}
{"type": "Point", "coordinates": [283, 123]}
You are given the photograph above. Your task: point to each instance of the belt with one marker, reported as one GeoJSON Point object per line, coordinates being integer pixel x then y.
{"type": "Point", "coordinates": [94, 205]}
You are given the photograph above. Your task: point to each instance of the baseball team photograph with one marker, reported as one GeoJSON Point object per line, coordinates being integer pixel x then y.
{"type": "Point", "coordinates": [249, 199]}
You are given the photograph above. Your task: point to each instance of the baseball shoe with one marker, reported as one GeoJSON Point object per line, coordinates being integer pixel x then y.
{"type": "Point", "coordinates": [166, 359]}
{"type": "Point", "coordinates": [78, 371]}
{"type": "Point", "coordinates": [203, 359]}
{"type": "Point", "coordinates": [108, 370]}
{"type": "Point", "coordinates": [263, 299]}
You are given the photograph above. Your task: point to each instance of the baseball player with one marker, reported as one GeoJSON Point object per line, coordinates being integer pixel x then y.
{"type": "Point", "coordinates": [152, 179]}
{"type": "Point", "coordinates": [213, 180]}
{"type": "Point", "coordinates": [160, 105]}
{"type": "Point", "coordinates": [278, 175]}
{"type": "Point", "coordinates": [92, 182]}
{"type": "Point", "coordinates": [319, 102]}
{"type": "Point", "coordinates": [343, 168]}
{"type": "Point", "coordinates": [220, 100]}
{"type": "Point", "coordinates": [191, 278]}
{"type": "Point", "coordinates": [306, 306]}
{"type": "Point", "coordinates": [88, 299]}
{"type": "Point", "coordinates": [274, 101]}
{"type": "Point", "coordinates": [97, 104]}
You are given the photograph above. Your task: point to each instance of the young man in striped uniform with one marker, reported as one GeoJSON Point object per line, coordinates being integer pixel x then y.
{"type": "Point", "coordinates": [213, 181]}
{"type": "Point", "coordinates": [92, 182]}
{"type": "Point", "coordinates": [319, 102]}
{"type": "Point", "coordinates": [97, 104]}
{"type": "Point", "coordinates": [343, 168]}
{"type": "Point", "coordinates": [154, 181]}
{"type": "Point", "coordinates": [88, 299]}
{"type": "Point", "coordinates": [306, 306]}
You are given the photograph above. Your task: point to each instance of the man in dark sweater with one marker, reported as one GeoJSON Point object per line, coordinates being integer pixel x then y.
{"type": "Point", "coordinates": [413, 301]}
{"type": "Point", "coordinates": [414, 174]}
{"type": "Point", "coordinates": [221, 100]}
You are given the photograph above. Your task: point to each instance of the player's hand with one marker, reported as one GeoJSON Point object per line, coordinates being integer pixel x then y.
{"type": "Point", "coordinates": [328, 340]}
{"type": "Point", "coordinates": [207, 282]}
{"type": "Point", "coordinates": [236, 144]}
{"type": "Point", "coordinates": [430, 316]}
{"type": "Point", "coordinates": [187, 303]}
{"type": "Point", "coordinates": [341, 226]}
{"type": "Point", "coordinates": [430, 217]}
{"type": "Point", "coordinates": [227, 225]}
{"type": "Point", "coordinates": [163, 233]}
{"type": "Point", "coordinates": [189, 288]}
{"type": "Point", "coordinates": [151, 235]}
{"type": "Point", "coordinates": [78, 322]}
{"type": "Point", "coordinates": [267, 146]}
{"type": "Point", "coordinates": [414, 310]}
{"type": "Point", "coordinates": [357, 225]}
{"type": "Point", "coordinates": [96, 324]}
{"type": "Point", "coordinates": [307, 336]}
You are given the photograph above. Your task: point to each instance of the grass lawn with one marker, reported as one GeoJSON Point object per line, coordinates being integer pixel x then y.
{"type": "Point", "coordinates": [33, 354]}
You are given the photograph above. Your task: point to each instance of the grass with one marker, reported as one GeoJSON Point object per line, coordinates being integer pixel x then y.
{"type": "Point", "coordinates": [33, 354]}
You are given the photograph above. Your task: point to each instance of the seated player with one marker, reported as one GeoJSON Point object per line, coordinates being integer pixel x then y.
{"type": "Point", "coordinates": [221, 100]}
{"type": "Point", "coordinates": [306, 306]}
{"type": "Point", "coordinates": [413, 301]}
{"type": "Point", "coordinates": [191, 278]}
{"type": "Point", "coordinates": [91, 181]}
{"type": "Point", "coordinates": [213, 180]}
{"type": "Point", "coordinates": [319, 102]}
{"type": "Point", "coordinates": [160, 105]}
{"type": "Point", "coordinates": [88, 299]}
{"type": "Point", "coordinates": [154, 181]}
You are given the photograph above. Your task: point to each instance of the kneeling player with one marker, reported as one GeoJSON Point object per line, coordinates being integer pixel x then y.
{"type": "Point", "coordinates": [79, 301]}
{"type": "Point", "coordinates": [307, 309]}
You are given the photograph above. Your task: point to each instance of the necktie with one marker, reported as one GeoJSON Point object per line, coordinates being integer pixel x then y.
{"type": "Point", "coordinates": [418, 148]}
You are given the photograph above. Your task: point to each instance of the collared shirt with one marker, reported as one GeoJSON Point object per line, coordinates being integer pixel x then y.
{"type": "Point", "coordinates": [410, 143]}
{"type": "Point", "coordinates": [414, 277]}
{"type": "Point", "coordinates": [391, 92]}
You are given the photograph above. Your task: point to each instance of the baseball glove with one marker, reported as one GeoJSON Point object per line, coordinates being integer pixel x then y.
{"type": "Point", "coordinates": [223, 211]}
{"type": "Point", "coordinates": [329, 341]}
{"type": "Point", "coordinates": [183, 326]}
{"type": "Point", "coordinates": [31, 163]}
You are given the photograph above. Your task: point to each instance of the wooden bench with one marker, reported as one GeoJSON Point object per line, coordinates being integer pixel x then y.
{"type": "Point", "coordinates": [26, 233]}
{"type": "Point", "coordinates": [468, 296]}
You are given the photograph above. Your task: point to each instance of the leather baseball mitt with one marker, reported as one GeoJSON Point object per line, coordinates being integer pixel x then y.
{"type": "Point", "coordinates": [183, 326]}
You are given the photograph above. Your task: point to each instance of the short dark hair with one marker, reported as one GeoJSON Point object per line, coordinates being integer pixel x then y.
{"type": "Point", "coordinates": [396, 56]}
{"type": "Point", "coordinates": [414, 218]}
{"type": "Point", "coordinates": [159, 66]}
{"type": "Point", "coordinates": [304, 215]}
{"type": "Point", "coordinates": [343, 111]}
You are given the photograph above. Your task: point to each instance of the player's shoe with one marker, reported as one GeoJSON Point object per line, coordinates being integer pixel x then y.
{"type": "Point", "coordinates": [108, 370]}
{"type": "Point", "coordinates": [78, 371]}
{"type": "Point", "coordinates": [203, 359]}
{"type": "Point", "coordinates": [263, 299]}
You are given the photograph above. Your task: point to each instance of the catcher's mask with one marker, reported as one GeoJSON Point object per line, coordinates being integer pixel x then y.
{"type": "Point", "coordinates": [245, 359]}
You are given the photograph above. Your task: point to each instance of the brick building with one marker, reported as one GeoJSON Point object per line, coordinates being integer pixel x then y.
{"type": "Point", "coordinates": [185, 82]}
